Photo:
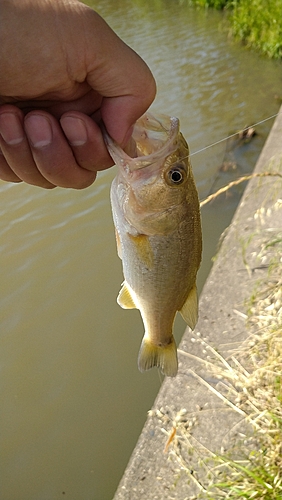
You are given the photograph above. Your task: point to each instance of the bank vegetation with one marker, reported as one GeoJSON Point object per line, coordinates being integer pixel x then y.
{"type": "Point", "coordinates": [258, 23]}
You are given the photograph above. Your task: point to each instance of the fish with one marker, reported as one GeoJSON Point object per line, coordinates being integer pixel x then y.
{"type": "Point", "coordinates": [157, 221]}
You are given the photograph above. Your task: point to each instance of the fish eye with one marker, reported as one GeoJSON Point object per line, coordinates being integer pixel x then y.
{"type": "Point", "coordinates": [176, 175]}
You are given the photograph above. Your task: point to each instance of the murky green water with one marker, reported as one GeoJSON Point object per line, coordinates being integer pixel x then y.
{"type": "Point", "coordinates": [72, 400]}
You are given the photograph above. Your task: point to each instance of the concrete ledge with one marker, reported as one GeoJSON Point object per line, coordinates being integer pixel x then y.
{"type": "Point", "coordinates": [151, 473]}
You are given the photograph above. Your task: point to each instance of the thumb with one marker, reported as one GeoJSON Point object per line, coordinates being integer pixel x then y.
{"type": "Point", "coordinates": [120, 113]}
{"type": "Point", "coordinates": [121, 77]}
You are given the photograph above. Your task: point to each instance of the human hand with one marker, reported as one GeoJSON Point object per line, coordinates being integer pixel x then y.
{"type": "Point", "coordinates": [63, 71]}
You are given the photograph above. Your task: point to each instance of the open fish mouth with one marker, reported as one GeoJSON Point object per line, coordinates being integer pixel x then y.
{"type": "Point", "coordinates": [153, 138]}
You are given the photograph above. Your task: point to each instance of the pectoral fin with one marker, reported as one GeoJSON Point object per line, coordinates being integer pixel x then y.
{"type": "Point", "coordinates": [125, 299]}
{"type": "Point", "coordinates": [143, 249]}
{"type": "Point", "coordinates": [189, 311]}
{"type": "Point", "coordinates": [118, 244]}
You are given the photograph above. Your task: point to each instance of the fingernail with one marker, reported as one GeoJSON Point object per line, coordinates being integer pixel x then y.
{"type": "Point", "coordinates": [75, 130]}
{"type": "Point", "coordinates": [38, 129]}
{"type": "Point", "coordinates": [11, 128]}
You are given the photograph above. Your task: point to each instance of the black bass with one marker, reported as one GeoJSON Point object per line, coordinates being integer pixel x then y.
{"type": "Point", "coordinates": [158, 232]}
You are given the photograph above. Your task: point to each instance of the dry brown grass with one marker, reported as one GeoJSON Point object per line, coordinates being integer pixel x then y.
{"type": "Point", "coordinates": [251, 386]}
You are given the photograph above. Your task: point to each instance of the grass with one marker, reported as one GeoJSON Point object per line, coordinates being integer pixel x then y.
{"type": "Point", "coordinates": [257, 23]}
{"type": "Point", "coordinates": [216, 4]}
{"type": "Point", "coordinates": [251, 386]}
{"type": "Point", "coordinates": [235, 183]}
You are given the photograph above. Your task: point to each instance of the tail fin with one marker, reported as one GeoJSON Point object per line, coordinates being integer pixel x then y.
{"type": "Point", "coordinates": [165, 357]}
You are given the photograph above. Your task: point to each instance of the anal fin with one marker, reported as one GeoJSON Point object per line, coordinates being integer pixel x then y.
{"type": "Point", "coordinates": [125, 299]}
{"type": "Point", "coordinates": [189, 310]}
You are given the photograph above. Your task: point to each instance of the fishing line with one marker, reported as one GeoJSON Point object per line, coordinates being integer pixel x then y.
{"type": "Point", "coordinates": [229, 137]}
{"type": "Point", "coordinates": [221, 140]}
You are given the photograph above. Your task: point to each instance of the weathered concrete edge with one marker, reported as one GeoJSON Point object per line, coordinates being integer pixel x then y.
{"type": "Point", "coordinates": [151, 473]}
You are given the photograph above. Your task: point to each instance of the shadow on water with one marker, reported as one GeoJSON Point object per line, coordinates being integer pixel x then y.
{"type": "Point", "coordinates": [72, 399]}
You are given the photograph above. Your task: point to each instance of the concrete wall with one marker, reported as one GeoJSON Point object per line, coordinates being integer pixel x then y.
{"type": "Point", "coordinates": [152, 473]}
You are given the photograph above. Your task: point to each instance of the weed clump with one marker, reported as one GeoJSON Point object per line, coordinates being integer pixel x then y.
{"type": "Point", "coordinates": [258, 23]}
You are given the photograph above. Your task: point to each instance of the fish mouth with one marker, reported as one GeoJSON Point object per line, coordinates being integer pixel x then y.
{"type": "Point", "coordinates": [153, 139]}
